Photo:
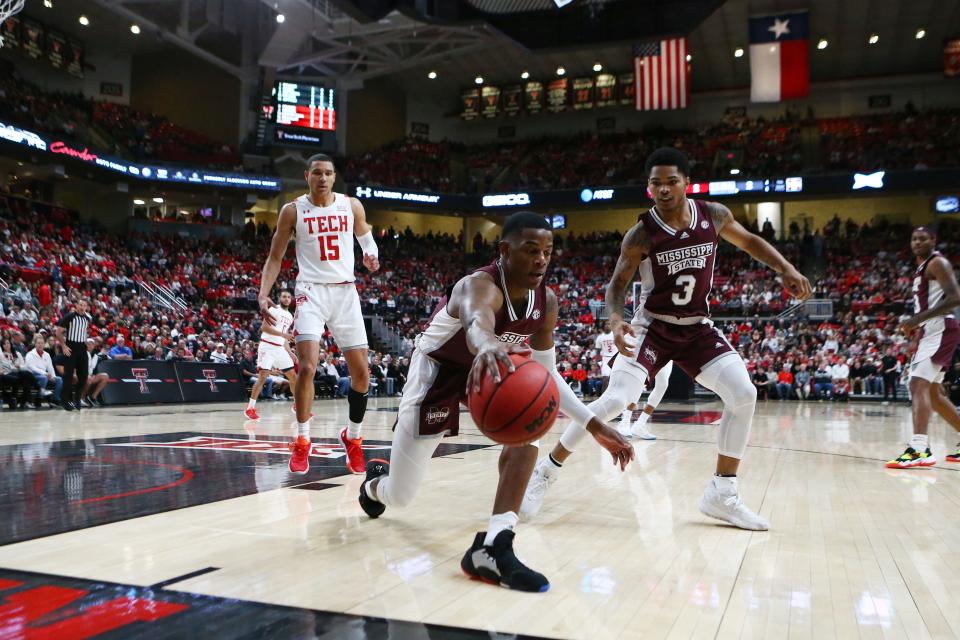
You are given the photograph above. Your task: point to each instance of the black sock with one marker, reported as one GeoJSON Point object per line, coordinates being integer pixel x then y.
{"type": "Point", "coordinates": [725, 475]}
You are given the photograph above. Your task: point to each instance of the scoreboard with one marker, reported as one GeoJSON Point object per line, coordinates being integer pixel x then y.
{"type": "Point", "coordinates": [305, 106]}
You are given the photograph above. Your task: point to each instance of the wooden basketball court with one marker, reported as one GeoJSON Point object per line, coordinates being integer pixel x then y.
{"type": "Point", "coordinates": [184, 522]}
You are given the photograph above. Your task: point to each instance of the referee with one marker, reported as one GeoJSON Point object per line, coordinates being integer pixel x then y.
{"type": "Point", "coordinates": [74, 344]}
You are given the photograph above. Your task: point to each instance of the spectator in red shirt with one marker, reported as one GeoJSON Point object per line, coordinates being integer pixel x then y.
{"type": "Point", "coordinates": [784, 383]}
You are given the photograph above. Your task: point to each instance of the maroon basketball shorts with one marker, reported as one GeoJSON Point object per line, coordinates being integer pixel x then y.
{"type": "Point", "coordinates": [938, 340]}
{"type": "Point", "coordinates": [693, 347]}
{"type": "Point", "coordinates": [431, 397]}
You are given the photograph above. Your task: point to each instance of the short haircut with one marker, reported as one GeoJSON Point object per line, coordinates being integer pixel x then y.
{"type": "Point", "coordinates": [320, 157]}
{"type": "Point", "coordinates": [668, 157]}
{"type": "Point", "coordinates": [521, 220]}
{"type": "Point", "coordinates": [926, 229]}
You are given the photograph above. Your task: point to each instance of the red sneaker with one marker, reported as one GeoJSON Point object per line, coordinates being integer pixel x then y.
{"type": "Point", "coordinates": [300, 455]}
{"type": "Point", "coordinates": [251, 413]}
{"type": "Point", "coordinates": [354, 448]}
{"type": "Point", "coordinates": [293, 409]}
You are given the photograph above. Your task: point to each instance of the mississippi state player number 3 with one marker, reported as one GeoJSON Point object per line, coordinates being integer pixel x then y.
{"type": "Point", "coordinates": [688, 283]}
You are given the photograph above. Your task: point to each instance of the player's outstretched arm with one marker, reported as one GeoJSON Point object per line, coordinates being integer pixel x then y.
{"type": "Point", "coordinates": [633, 250]}
{"type": "Point", "coordinates": [942, 271]}
{"type": "Point", "coordinates": [759, 249]}
{"type": "Point", "coordinates": [545, 353]}
{"type": "Point", "coordinates": [479, 301]}
{"type": "Point", "coordinates": [286, 223]}
{"type": "Point", "coordinates": [364, 233]}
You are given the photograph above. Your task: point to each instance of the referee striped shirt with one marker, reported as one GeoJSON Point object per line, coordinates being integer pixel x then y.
{"type": "Point", "coordinates": [76, 325]}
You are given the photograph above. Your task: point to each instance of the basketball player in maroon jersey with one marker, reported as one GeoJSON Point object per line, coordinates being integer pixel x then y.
{"type": "Point", "coordinates": [935, 296]}
{"type": "Point", "coordinates": [485, 317]}
{"type": "Point", "coordinates": [680, 237]}
{"type": "Point", "coordinates": [325, 224]}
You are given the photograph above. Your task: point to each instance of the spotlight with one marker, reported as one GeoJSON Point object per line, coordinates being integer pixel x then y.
{"type": "Point", "coordinates": [281, 18]}
{"type": "Point", "coordinates": [873, 39]}
{"type": "Point", "coordinates": [920, 33]}
{"type": "Point", "coordinates": [524, 75]}
{"type": "Point", "coordinates": [138, 201]}
{"type": "Point", "coordinates": [738, 52]}
{"type": "Point", "coordinates": [432, 75]}
{"type": "Point", "coordinates": [84, 20]}
{"type": "Point", "coordinates": [158, 200]}
{"type": "Point", "coordinates": [561, 71]}
{"type": "Point", "coordinates": [135, 29]}
{"type": "Point", "coordinates": [598, 67]}
{"type": "Point", "coordinates": [822, 44]}
{"type": "Point", "coordinates": [478, 80]}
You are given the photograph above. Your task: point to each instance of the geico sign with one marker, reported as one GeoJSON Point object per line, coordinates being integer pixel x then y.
{"type": "Point", "coordinates": [506, 200]}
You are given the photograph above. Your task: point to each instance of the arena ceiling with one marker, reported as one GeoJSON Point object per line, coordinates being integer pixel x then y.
{"type": "Point", "coordinates": [350, 41]}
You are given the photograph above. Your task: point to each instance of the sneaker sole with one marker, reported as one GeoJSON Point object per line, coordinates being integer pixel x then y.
{"type": "Point", "coordinates": [495, 583]}
{"type": "Point", "coordinates": [910, 465]}
{"type": "Point", "coordinates": [740, 525]}
{"type": "Point", "coordinates": [954, 460]}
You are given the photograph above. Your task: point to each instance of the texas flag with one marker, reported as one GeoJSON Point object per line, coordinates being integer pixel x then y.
{"type": "Point", "coordinates": [779, 58]}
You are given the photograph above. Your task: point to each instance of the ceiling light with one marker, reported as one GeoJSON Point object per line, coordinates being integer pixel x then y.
{"type": "Point", "coordinates": [738, 52]}
{"type": "Point", "coordinates": [524, 75]}
{"type": "Point", "coordinates": [478, 80]}
{"type": "Point", "coordinates": [158, 200]}
{"type": "Point", "coordinates": [135, 29]}
{"type": "Point", "coordinates": [84, 20]}
{"type": "Point", "coordinates": [48, 4]}
{"type": "Point", "coordinates": [432, 75]}
{"type": "Point", "coordinates": [598, 67]}
{"type": "Point", "coordinates": [822, 44]}
{"type": "Point", "coordinates": [873, 39]}
{"type": "Point", "coordinates": [561, 71]}
{"type": "Point", "coordinates": [920, 33]}
{"type": "Point", "coordinates": [139, 201]}
{"type": "Point", "coordinates": [689, 57]}
{"type": "Point", "coordinates": [280, 18]}
{"type": "Point", "coordinates": [734, 172]}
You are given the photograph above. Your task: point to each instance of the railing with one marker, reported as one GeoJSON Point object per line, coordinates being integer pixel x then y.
{"type": "Point", "coordinates": [162, 296]}
{"type": "Point", "coordinates": [392, 341]}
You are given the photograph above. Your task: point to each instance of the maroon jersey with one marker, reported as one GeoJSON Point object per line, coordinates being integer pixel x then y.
{"type": "Point", "coordinates": [927, 293]}
{"type": "Point", "coordinates": [441, 362]}
{"type": "Point", "coordinates": [682, 265]}
{"type": "Point", "coordinates": [445, 341]}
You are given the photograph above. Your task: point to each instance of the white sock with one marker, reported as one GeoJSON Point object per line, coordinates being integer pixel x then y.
{"type": "Point", "coordinates": [368, 489]}
{"type": "Point", "coordinates": [353, 430]}
{"type": "Point", "coordinates": [251, 404]}
{"type": "Point", "coordinates": [498, 523]}
{"type": "Point", "coordinates": [920, 442]}
{"type": "Point", "coordinates": [303, 429]}
{"type": "Point", "coordinates": [550, 467]}
{"type": "Point", "coordinates": [726, 484]}
{"type": "Point", "coordinates": [642, 419]}
{"type": "Point", "coordinates": [627, 416]}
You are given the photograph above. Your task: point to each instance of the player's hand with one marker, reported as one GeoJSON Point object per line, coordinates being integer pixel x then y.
{"type": "Point", "coordinates": [289, 337]}
{"type": "Point", "coordinates": [486, 362]}
{"type": "Point", "coordinates": [265, 304]}
{"type": "Point", "coordinates": [908, 326]}
{"type": "Point", "coordinates": [66, 350]}
{"type": "Point", "coordinates": [625, 338]}
{"type": "Point", "coordinates": [609, 439]}
{"type": "Point", "coordinates": [372, 263]}
{"type": "Point", "coordinates": [796, 284]}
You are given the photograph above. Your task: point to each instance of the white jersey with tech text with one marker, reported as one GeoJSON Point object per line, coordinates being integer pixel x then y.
{"type": "Point", "coordinates": [325, 241]}
{"type": "Point", "coordinates": [284, 322]}
{"type": "Point", "coordinates": [605, 346]}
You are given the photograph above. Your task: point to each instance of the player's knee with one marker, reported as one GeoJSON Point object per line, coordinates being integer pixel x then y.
{"type": "Point", "coordinates": [308, 370]}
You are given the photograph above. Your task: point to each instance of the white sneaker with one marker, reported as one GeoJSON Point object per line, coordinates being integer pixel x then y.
{"type": "Point", "coordinates": [639, 430]}
{"type": "Point", "coordinates": [722, 501]}
{"type": "Point", "coordinates": [623, 428]}
{"type": "Point", "coordinates": [540, 481]}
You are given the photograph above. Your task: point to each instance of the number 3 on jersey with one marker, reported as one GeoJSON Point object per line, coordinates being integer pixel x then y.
{"type": "Point", "coordinates": [329, 249]}
{"type": "Point", "coordinates": [688, 283]}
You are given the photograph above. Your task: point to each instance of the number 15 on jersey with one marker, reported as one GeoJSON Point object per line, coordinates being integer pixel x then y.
{"type": "Point", "coordinates": [329, 248]}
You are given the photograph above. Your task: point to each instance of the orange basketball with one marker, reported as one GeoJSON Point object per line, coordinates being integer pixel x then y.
{"type": "Point", "coordinates": [521, 408]}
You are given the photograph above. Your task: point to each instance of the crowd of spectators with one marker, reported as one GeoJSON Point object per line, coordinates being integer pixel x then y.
{"type": "Point", "coordinates": [755, 146]}
{"type": "Point", "coordinates": [49, 260]}
{"type": "Point", "coordinates": [128, 132]}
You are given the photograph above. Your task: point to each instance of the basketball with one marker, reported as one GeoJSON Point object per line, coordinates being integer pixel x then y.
{"type": "Point", "coordinates": [521, 408]}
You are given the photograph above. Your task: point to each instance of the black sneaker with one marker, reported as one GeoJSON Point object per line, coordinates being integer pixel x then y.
{"type": "Point", "coordinates": [375, 468]}
{"type": "Point", "coordinates": [497, 564]}
{"type": "Point", "coordinates": [99, 400]}
{"type": "Point", "coordinates": [65, 404]}
{"type": "Point", "coordinates": [76, 405]}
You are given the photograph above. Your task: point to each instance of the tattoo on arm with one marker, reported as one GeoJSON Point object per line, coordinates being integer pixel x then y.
{"type": "Point", "coordinates": [720, 215]}
{"type": "Point", "coordinates": [632, 251]}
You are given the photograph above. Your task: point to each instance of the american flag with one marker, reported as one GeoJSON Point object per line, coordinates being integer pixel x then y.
{"type": "Point", "coordinates": [661, 75]}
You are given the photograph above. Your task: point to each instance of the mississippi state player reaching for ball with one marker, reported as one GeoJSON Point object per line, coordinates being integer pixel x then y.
{"type": "Point", "coordinates": [680, 237]}
{"type": "Point", "coordinates": [325, 224]}
{"type": "Point", "coordinates": [935, 296]}
{"type": "Point", "coordinates": [485, 317]}
{"type": "Point", "coordinates": [274, 351]}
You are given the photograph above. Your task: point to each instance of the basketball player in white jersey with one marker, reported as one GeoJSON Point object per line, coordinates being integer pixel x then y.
{"type": "Point", "coordinates": [680, 237]}
{"type": "Point", "coordinates": [274, 351]}
{"type": "Point", "coordinates": [935, 296]}
{"type": "Point", "coordinates": [325, 224]}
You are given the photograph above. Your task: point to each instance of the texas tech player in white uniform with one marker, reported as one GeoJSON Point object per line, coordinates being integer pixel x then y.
{"type": "Point", "coordinates": [272, 352]}
{"type": "Point", "coordinates": [325, 224]}
{"type": "Point", "coordinates": [679, 236]}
